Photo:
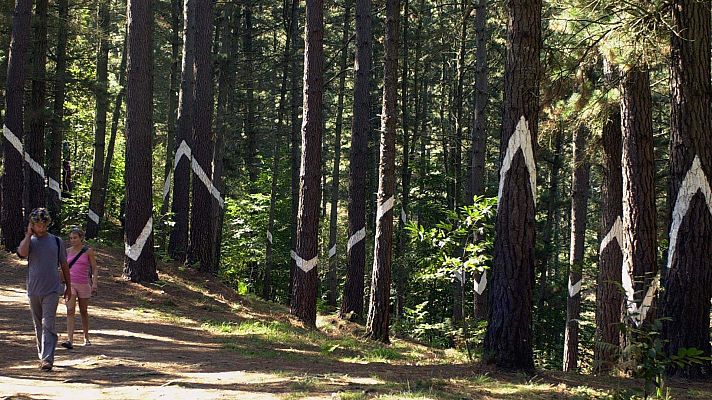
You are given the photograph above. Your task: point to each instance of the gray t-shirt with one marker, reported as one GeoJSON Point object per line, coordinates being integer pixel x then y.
{"type": "Point", "coordinates": [42, 263]}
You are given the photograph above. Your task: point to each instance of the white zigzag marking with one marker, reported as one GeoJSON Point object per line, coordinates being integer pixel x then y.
{"type": "Point", "coordinates": [185, 151]}
{"type": "Point", "coordinates": [134, 251]}
{"type": "Point", "coordinates": [304, 265]}
{"type": "Point", "coordinates": [384, 208]}
{"type": "Point", "coordinates": [17, 144]}
{"type": "Point", "coordinates": [574, 289]}
{"type": "Point", "coordinates": [482, 284]}
{"type": "Point", "coordinates": [616, 233]}
{"type": "Point", "coordinates": [356, 237]}
{"type": "Point", "coordinates": [93, 216]}
{"type": "Point", "coordinates": [695, 180]}
{"type": "Point", "coordinates": [332, 251]}
{"type": "Point", "coordinates": [520, 139]}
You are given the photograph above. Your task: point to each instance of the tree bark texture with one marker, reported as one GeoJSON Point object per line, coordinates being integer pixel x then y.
{"type": "Point", "coordinates": [201, 245]}
{"type": "Point", "coordinates": [303, 304]}
{"type": "Point", "coordinates": [378, 322]}
{"type": "Point", "coordinates": [352, 301]}
{"type": "Point", "coordinates": [56, 127]}
{"type": "Point", "coordinates": [639, 235]}
{"type": "Point", "coordinates": [250, 134]}
{"type": "Point", "coordinates": [295, 99]}
{"type": "Point", "coordinates": [333, 213]}
{"type": "Point", "coordinates": [609, 299]}
{"type": "Point", "coordinates": [36, 121]}
{"type": "Point", "coordinates": [139, 124]}
{"type": "Point", "coordinates": [102, 107]}
{"type": "Point", "coordinates": [508, 341]}
{"type": "Point", "coordinates": [12, 222]}
{"type": "Point", "coordinates": [579, 207]}
{"type": "Point", "coordinates": [688, 276]}
{"type": "Point", "coordinates": [180, 206]}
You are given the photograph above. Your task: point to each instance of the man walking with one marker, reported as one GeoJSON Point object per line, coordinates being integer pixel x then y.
{"type": "Point", "coordinates": [44, 253]}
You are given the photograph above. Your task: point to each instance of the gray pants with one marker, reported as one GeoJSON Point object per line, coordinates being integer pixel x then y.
{"type": "Point", "coordinates": [44, 312]}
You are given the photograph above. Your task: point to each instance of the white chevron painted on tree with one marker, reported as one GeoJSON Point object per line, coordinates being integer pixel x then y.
{"type": "Point", "coordinates": [695, 180]}
{"type": "Point", "coordinates": [356, 237]}
{"type": "Point", "coordinates": [185, 151]}
{"type": "Point", "coordinates": [134, 251]}
{"type": "Point", "coordinates": [616, 233]}
{"type": "Point", "coordinates": [482, 284]}
{"type": "Point", "coordinates": [574, 289]}
{"type": "Point", "coordinates": [521, 139]}
{"type": "Point", "coordinates": [304, 265]}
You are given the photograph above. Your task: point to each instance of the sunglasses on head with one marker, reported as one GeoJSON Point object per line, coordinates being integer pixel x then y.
{"type": "Point", "coordinates": [39, 215]}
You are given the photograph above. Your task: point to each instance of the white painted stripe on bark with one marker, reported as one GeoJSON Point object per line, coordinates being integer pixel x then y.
{"type": "Point", "coordinates": [134, 251]}
{"type": "Point", "coordinates": [93, 216]}
{"type": "Point", "coordinates": [356, 237]}
{"type": "Point", "coordinates": [482, 284]}
{"type": "Point", "coordinates": [695, 180]}
{"type": "Point", "coordinates": [17, 144]}
{"type": "Point", "coordinates": [574, 289]}
{"type": "Point", "coordinates": [304, 265]}
{"type": "Point", "coordinates": [185, 151]}
{"type": "Point", "coordinates": [521, 139]}
{"type": "Point", "coordinates": [14, 140]}
{"type": "Point", "coordinates": [54, 185]}
{"type": "Point", "coordinates": [384, 208]}
{"type": "Point", "coordinates": [198, 170]}
{"type": "Point", "coordinates": [269, 236]}
{"type": "Point", "coordinates": [616, 233]}
{"type": "Point", "coordinates": [35, 165]}
{"type": "Point", "coordinates": [167, 186]}
{"type": "Point", "coordinates": [403, 216]}
{"type": "Point", "coordinates": [627, 283]}
{"type": "Point", "coordinates": [332, 251]}
{"type": "Point", "coordinates": [648, 299]}
{"type": "Point", "coordinates": [460, 275]}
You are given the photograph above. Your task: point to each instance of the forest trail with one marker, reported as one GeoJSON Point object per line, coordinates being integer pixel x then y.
{"type": "Point", "coordinates": [190, 337]}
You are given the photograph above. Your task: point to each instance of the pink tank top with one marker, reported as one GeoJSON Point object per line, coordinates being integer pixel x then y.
{"type": "Point", "coordinates": [80, 269]}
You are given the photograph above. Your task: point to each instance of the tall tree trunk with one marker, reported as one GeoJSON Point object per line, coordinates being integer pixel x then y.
{"type": "Point", "coordinates": [377, 325]}
{"type": "Point", "coordinates": [178, 242]}
{"type": "Point", "coordinates": [11, 221]}
{"type": "Point", "coordinates": [579, 205]}
{"type": "Point", "coordinates": [115, 117]}
{"type": "Point", "coordinates": [352, 301]}
{"type": "Point", "coordinates": [458, 314]}
{"type": "Point", "coordinates": [479, 141]}
{"type": "Point", "coordinates": [139, 264]}
{"type": "Point", "coordinates": [609, 300]}
{"type": "Point", "coordinates": [552, 210]}
{"type": "Point", "coordinates": [173, 88]}
{"type": "Point", "coordinates": [201, 246]}
{"type": "Point", "coordinates": [96, 211]}
{"type": "Point", "coordinates": [36, 121]}
{"type": "Point", "coordinates": [688, 276]}
{"type": "Point", "coordinates": [56, 127]}
{"type": "Point", "coordinates": [276, 140]}
{"type": "Point", "coordinates": [306, 253]}
{"type": "Point", "coordinates": [333, 214]}
{"type": "Point", "coordinates": [639, 236]}
{"type": "Point", "coordinates": [250, 135]}
{"type": "Point", "coordinates": [508, 341]}
{"type": "Point", "coordinates": [295, 99]}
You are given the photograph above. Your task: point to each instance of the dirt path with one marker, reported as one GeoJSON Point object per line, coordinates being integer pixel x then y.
{"type": "Point", "coordinates": [138, 352]}
{"type": "Point", "coordinates": [156, 341]}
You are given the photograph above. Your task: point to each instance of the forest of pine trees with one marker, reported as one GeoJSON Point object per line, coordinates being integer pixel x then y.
{"type": "Point", "coordinates": [529, 178]}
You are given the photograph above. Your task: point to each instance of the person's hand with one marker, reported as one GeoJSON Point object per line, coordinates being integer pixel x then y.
{"type": "Point", "coordinates": [67, 293]}
{"type": "Point", "coordinates": [94, 289]}
{"type": "Point", "coordinates": [29, 231]}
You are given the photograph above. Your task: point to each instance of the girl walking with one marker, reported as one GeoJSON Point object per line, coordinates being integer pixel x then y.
{"type": "Point", "coordinates": [84, 277]}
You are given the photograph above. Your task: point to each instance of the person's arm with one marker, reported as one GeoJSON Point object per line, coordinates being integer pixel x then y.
{"type": "Point", "coordinates": [23, 250]}
{"type": "Point", "coordinates": [94, 269]}
{"type": "Point", "coordinates": [67, 279]}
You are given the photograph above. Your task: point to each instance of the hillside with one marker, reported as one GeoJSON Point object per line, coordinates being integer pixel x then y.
{"type": "Point", "coordinates": [189, 336]}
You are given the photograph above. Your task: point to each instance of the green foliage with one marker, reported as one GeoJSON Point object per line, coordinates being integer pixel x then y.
{"type": "Point", "coordinates": [645, 356]}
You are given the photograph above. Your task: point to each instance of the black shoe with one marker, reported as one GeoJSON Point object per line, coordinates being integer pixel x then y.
{"type": "Point", "coordinates": [67, 345]}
